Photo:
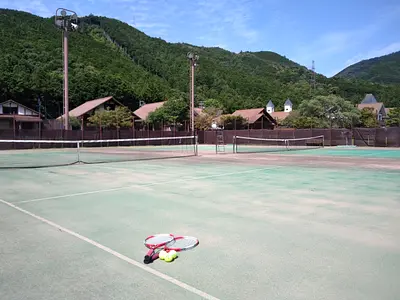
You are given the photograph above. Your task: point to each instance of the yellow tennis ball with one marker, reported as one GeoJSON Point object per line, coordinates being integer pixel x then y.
{"type": "Point", "coordinates": [169, 257]}
{"type": "Point", "coordinates": [173, 253]}
{"type": "Point", "coordinates": [162, 254]}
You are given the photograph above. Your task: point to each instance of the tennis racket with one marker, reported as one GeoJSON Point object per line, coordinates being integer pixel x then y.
{"type": "Point", "coordinates": [155, 242]}
{"type": "Point", "coordinates": [178, 243]}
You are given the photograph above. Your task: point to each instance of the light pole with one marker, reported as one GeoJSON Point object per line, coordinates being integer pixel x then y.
{"type": "Point", "coordinates": [193, 58]}
{"type": "Point", "coordinates": [66, 20]}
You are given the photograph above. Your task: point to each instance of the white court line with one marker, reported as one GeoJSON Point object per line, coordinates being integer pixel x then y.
{"type": "Point", "coordinates": [116, 254]}
{"type": "Point", "coordinates": [145, 185]}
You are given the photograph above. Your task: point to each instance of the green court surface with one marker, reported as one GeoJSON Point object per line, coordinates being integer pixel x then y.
{"type": "Point", "coordinates": [266, 231]}
{"type": "Point", "coordinates": [326, 151]}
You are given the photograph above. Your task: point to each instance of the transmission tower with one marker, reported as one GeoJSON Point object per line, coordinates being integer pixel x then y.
{"type": "Point", "coordinates": [312, 78]}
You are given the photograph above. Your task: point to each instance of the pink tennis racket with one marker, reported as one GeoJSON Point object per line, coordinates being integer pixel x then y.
{"type": "Point", "coordinates": [167, 242]}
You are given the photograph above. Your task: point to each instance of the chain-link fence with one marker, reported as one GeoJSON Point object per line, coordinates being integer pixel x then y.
{"type": "Point", "coordinates": [375, 137]}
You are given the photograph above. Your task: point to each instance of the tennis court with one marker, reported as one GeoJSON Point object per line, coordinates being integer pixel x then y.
{"type": "Point", "coordinates": [270, 225]}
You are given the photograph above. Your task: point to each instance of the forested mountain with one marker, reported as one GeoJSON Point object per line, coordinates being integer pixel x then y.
{"type": "Point", "coordinates": [383, 69]}
{"type": "Point", "coordinates": [109, 57]}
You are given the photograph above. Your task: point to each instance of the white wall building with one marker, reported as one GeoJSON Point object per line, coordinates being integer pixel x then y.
{"type": "Point", "coordinates": [270, 107]}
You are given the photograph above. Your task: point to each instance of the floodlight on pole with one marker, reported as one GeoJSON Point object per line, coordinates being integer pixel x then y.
{"type": "Point", "coordinates": [193, 58]}
{"type": "Point", "coordinates": [66, 20]}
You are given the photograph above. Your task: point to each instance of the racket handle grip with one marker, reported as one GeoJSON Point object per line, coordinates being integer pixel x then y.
{"type": "Point", "coordinates": [147, 259]}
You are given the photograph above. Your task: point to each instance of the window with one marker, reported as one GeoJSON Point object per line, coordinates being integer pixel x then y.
{"type": "Point", "coordinates": [10, 110]}
{"type": "Point", "coordinates": [380, 117]}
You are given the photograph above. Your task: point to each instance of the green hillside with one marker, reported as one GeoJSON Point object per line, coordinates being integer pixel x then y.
{"type": "Point", "coordinates": [109, 57]}
{"type": "Point", "coordinates": [384, 69]}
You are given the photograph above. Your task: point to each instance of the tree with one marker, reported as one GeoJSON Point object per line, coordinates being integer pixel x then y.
{"type": "Point", "coordinates": [295, 120]}
{"type": "Point", "coordinates": [120, 117]}
{"type": "Point", "coordinates": [368, 118]}
{"type": "Point", "coordinates": [213, 103]}
{"type": "Point", "coordinates": [394, 117]}
{"type": "Point", "coordinates": [206, 118]}
{"type": "Point", "coordinates": [112, 58]}
{"type": "Point", "coordinates": [331, 111]}
{"type": "Point", "coordinates": [174, 111]}
{"type": "Point", "coordinates": [232, 122]}
{"type": "Point", "coordinates": [75, 122]}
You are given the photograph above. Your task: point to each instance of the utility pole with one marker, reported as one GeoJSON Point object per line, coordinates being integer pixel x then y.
{"type": "Point", "coordinates": [66, 20]}
{"type": "Point", "coordinates": [312, 79]}
{"type": "Point", "coordinates": [193, 58]}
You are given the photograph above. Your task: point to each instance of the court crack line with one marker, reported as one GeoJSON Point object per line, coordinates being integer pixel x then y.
{"type": "Point", "coordinates": [116, 254]}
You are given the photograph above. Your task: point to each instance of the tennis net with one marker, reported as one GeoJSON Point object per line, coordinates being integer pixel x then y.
{"type": "Point", "coordinates": [243, 144]}
{"type": "Point", "coordinates": [47, 153]}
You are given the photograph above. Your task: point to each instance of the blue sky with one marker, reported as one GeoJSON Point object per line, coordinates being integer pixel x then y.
{"type": "Point", "coordinates": [333, 33]}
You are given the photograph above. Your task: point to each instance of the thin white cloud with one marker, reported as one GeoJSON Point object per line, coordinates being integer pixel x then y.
{"type": "Point", "coordinates": [333, 43]}
{"type": "Point", "coordinates": [224, 16]}
{"type": "Point", "coordinates": [339, 43]}
{"type": "Point", "coordinates": [154, 17]}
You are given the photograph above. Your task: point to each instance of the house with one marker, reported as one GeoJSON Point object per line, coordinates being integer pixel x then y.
{"type": "Point", "coordinates": [144, 110]}
{"type": "Point", "coordinates": [288, 106]}
{"type": "Point", "coordinates": [257, 118]}
{"type": "Point", "coordinates": [270, 107]}
{"type": "Point", "coordinates": [18, 116]}
{"type": "Point", "coordinates": [89, 108]}
{"type": "Point", "coordinates": [369, 99]}
{"type": "Point", "coordinates": [378, 108]}
{"type": "Point", "coordinates": [279, 116]}
{"type": "Point", "coordinates": [141, 114]}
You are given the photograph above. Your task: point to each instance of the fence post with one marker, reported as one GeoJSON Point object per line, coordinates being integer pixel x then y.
{"type": "Point", "coordinates": [386, 137]}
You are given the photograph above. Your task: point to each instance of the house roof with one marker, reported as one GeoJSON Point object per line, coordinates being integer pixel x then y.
{"type": "Point", "coordinates": [270, 104]}
{"type": "Point", "coordinates": [32, 110]}
{"type": "Point", "coordinates": [253, 114]}
{"type": "Point", "coordinates": [197, 111]}
{"type": "Point", "coordinates": [369, 99]}
{"type": "Point", "coordinates": [88, 106]}
{"type": "Point", "coordinates": [279, 115]}
{"type": "Point", "coordinates": [144, 111]}
{"type": "Point", "coordinates": [376, 106]}
{"type": "Point", "coordinates": [288, 102]}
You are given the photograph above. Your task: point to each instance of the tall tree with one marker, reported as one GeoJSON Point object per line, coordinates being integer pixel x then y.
{"type": "Point", "coordinates": [394, 117]}
{"type": "Point", "coordinates": [331, 111]}
{"type": "Point", "coordinates": [175, 110]}
{"type": "Point", "coordinates": [368, 118]}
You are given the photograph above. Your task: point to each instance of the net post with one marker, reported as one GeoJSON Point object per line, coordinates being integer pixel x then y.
{"type": "Point", "coordinates": [234, 143]}
{"type": "Point", "coordinates": [196, 145]}
{"type": "Point", "coordinates": [323, 141]}
{"type": "Point", "coordinates": [216, 141]}
{"type": "Point", "coordinates": [78, 151]}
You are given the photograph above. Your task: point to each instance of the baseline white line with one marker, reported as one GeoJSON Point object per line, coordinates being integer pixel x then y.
{"type": "Point", "coordinates": [116, 254]}
{"type": "Point", "coordinates": [145, 185]}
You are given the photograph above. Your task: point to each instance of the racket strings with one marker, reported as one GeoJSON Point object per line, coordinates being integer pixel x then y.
{"type": "Point", "coordinates": [159, 239]}
{"type": "Point", "coordinates": [184, 243]}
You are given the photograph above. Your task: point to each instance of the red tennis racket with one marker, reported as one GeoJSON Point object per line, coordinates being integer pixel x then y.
{"type": "Point", "coordinates": [154, 242]}
{"type": "Point", "coordinates": [178, 243]}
